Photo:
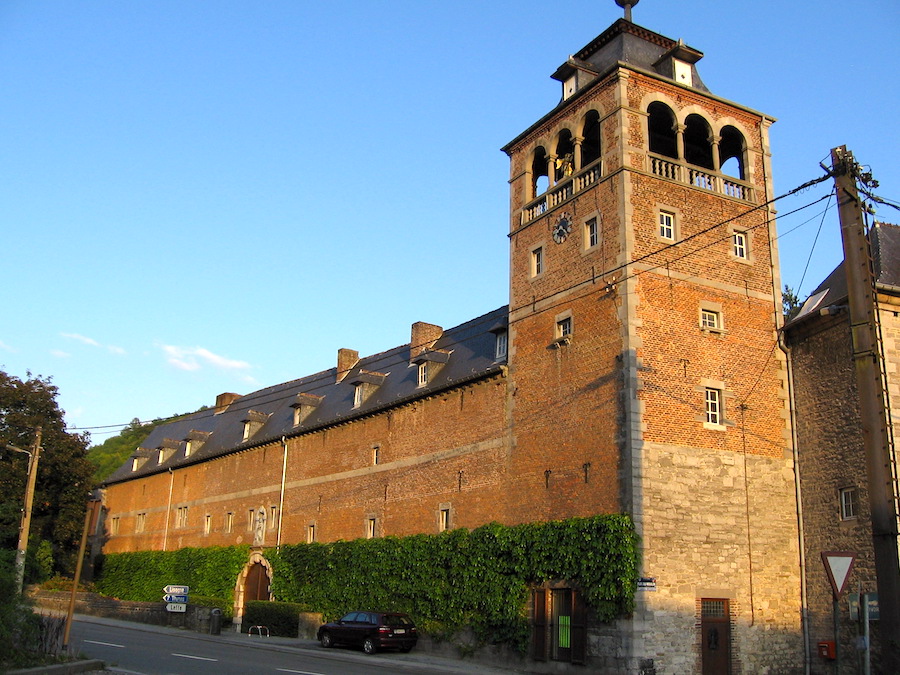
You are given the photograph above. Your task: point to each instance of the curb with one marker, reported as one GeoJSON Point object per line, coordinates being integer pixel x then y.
{"type": "Point", "coordinates": [61, 668]}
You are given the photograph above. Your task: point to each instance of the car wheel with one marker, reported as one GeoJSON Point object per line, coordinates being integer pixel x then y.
{"type": "Point", "coordinates": [326, 640]}
{"type": "Point", "coordinates": [369, 646]}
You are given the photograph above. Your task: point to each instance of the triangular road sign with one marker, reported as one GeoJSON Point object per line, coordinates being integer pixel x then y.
{"type": "Point", "coordinates": [838, 565]}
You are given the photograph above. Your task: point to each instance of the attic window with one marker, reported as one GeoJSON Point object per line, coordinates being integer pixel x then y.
{"type": "Point", "coordinates": [253, 423]}
{"type": "Point", "coordinates": [137, 462]}
{"type": "Point", "coordinates": [423, 373]}
{"type": "Point", "coordinates": [501, 345]}
{"type": "Point", "coordinates": [365, 382]}
{"type": "Point", "coordinates": [194, 441]}
{"type": "Point", "coordinates": [303, 407]}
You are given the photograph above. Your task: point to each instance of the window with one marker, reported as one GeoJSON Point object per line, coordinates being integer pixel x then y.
{"type": "Point", "coordinates": [591, 233]}
{"type": "Point", "coordinates": [501, 345]}
{"type": "Point", "coordinates": [247, 429]}
{"type": "Point", "coordinates": [376, 455]}
{"type": "Point", "coordinates": [564, 327]}
{"type": "Point", "coordinates": [423, 373]}
{"type": "Point", "coordinates": [444, 520]}
{"type": "Point", "coordinates": [310, 533]}
{"type": "Point", "coordinates": [371, 528]}
{"type": "Point", "coordinates": [140, 522]}
{"type": "Point", "coordinates": [710, 319]}
{"type": "Point", "coordinates": [714, 406]}
{"type": "Point", "coordinates": [181, 514]}
{"type": "Point", "coordinates": [273, 513]}
{"type": "Point", "coordinates": [114, 525]}
{"type": "Point", "coordinates": [667, 225]}
{"type": "Point", "coordinates": [207, 524]}
{"type": "Point", "coordinates": [251, 519]}
{"type": "Point", "coordinates": [849, 503]}
{"type": "Point", "coordinates": [229, 522]}
{"type": "Point", "coordinates": [537, 261]}
{"type": "Point", "coordinates": [739, 245]}
{"type": "Point", "coordinates": [358, 395]}
{"type": "Point", "coordinates": [188, 447]}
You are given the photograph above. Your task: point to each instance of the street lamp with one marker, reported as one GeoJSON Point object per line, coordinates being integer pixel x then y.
{"type": "Point", "coordinates": [33, 457]}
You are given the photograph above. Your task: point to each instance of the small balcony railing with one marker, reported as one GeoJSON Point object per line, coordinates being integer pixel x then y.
{"type": "Point", "coordinates": [561, 192]}
{"type": "Point", "coordinates": [690, 175]}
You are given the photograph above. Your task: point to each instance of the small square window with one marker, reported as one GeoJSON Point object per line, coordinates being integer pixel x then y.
{"type": "Point", "coordinates": [537, 261]}
{"type": "Point", "coordinates": [710, 319]}
{"type": "Point", "coordinates": [444, 520]}
{"type": "Point", "coordinates": [667, 225]}
{"type": "Point", "coordinates": [501, 345]}
{"type": "Point", "coordinates": [739, 245]}
{"type": "Point", "coordinates": [849, 503]}
{"type": "Point", "coordinates": [564, 327]}
{"type": "Point", "coordinates": [714, 406]}
{"type": "Point", "coordinates": [591, 233]}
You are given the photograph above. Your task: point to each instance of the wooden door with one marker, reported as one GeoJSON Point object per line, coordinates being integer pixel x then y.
{"type": "Point", "coordinates": [715, 636]}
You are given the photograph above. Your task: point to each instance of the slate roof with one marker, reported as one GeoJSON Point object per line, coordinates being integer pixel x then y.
{"type": "Point", "coordinates": [466, 353]}
{"type": "Point", "coordinates": [885, 243]}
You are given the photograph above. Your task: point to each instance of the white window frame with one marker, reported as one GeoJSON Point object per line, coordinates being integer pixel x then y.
{"type": "Point", "coordinates": [188, 447]}
{"type": "Point", "coordinates": [358, 395]}
{"type": "Point", "coordinates": [563, 327]}
{"type": "Point", "coordinates": [666, 226]}
{"type": "Point", "coordinates": [591, 233]}
{"type": "Point", "coordinates": [713, 406]}
{"type": "Point", "coordinates": [501, 345]}
{"type": "Point", "coordinates": [710, 319]}
{"type": "Point", "coordinates": [422, 373]}
{"type": "Point", "coordinates": [537, 261]}
{"type": "Point", "coordinates": [740, 244]}
{"type": "Point", "coordinates": [849, 501]}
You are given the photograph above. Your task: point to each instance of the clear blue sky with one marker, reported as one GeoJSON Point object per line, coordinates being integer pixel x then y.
{"type": "Point", "coordinates": [200, 197]}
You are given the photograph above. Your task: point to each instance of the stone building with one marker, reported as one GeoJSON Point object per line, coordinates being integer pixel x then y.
{"type": "Point", "coordinates": [832, 461]}
{"type": "Point", "coordinates": [634, 370]}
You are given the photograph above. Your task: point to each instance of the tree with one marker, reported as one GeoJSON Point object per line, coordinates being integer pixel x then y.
{"type": "Point", "coordinates": [63, 478]}
{"type": "Point", "coordinates": [790, 303]}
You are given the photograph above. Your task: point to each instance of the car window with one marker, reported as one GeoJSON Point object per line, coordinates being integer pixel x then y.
{"type": "Point", "coordinates": [397, 620]}
{"type": "Point", "coordinates": [368, 618]}
{"type": "Point", "coordinates": [349, 617]}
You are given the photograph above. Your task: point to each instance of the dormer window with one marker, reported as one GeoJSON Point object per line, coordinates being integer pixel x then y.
{"type": "Point", "coordinates": [501, 345]}
{"type": "Point", "coordinates": [428, 364]}
{"type": "Point", "coordinates": [365, 383]}
{"type": "Point", "coordinates": [423, 373]}
{"type": "Point", "coordinates": [137, 462]}
{"type": "Point", "coordinates": [303, 407]}
{"type": "Point", "coordinates": [194, 441]}
{"type": "Point", "coordinates": [253, 422]}
{"type": "Point", "coordinates": [683, 72]}
{"type": "Point", "coordinates": [167, 449]}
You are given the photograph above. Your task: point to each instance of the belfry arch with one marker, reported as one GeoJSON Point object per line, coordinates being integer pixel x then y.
{"type": "Point", "coordinates": [253, 583]}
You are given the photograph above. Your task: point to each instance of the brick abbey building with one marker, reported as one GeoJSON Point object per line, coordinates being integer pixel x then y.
{"type": "Point", "coordinates": [635, 370]}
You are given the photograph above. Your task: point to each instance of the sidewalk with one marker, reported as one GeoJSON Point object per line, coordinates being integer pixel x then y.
{"type": "Point", "coordinates": [424, 661]}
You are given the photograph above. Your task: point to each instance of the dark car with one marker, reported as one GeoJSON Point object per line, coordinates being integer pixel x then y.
{"type": "Point", "coordinates": [371, 631]}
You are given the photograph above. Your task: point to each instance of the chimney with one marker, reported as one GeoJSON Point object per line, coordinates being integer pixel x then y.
{"type": "Point", "coordinates": [347, 358]}
{"type": "Point", "coordinates": [423, 336]}
{"type": "Point", "coordinates": [225, 400]}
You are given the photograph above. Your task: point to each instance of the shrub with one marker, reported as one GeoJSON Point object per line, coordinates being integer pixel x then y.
{"type": "Point", "coordinates": [281, 618]}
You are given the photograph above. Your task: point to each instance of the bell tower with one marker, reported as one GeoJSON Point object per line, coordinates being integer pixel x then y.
{"type": "Point", "coordinates": [644, 372]}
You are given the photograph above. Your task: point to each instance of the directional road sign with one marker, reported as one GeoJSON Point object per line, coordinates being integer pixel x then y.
{"type": "Point", "coordinates": [171, 597]}
{"type": "Point", "coordinates": [176, 607]}
{"type": "Point", "coordinates": [177, 590]}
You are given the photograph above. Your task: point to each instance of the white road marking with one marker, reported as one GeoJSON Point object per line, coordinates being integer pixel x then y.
{"type": "Point", "coordinates": [299, 672]}
{"type": "Point", "coordinates": [196, 658]}
{"type": "Point", "coordinates": [105, 644]}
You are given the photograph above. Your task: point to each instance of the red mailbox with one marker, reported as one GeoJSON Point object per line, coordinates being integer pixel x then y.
{"type": "Point", "coordinates": [827, 650]}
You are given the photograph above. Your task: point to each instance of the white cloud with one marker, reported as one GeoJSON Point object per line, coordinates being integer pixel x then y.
{"type": "Point", "coordinates": [6, 347]}
{"type": "Point", "coordinates": [116, 350]}
{"type": "Point", "coordinates": [60, 354]}
{"type": "Point", "coordinates": [81, 338]}
{"type": "Point", "coordinates": [194, 358]}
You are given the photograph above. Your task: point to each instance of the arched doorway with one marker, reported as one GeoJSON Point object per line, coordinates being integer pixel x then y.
{"type": "Point", "coordinates": [253, 583]}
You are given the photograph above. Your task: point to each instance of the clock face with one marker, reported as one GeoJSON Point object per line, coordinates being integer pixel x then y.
{"type": "Point", "coordinates": [562, 228]}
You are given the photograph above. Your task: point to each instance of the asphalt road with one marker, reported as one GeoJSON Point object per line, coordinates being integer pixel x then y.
{"type": "Point", "coordinates": [153, 651]}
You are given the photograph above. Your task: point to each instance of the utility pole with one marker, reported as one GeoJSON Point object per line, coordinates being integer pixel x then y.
{"type": "Point", "coordinates": [25, 527]}
{"type": "Point", "coordinates": [873, 403]}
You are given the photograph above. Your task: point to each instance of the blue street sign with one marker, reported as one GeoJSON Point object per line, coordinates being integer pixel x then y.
{"type": "Point", "coordinates": [169, 597]}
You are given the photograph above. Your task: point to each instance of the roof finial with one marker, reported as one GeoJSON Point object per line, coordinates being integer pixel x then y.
{"type": "Point", "coordinates": [627, 4]}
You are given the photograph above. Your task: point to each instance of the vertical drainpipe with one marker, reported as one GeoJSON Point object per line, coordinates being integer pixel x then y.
{"type": "Point", "coordinates": [281, 499]}
{"type": "Point", "coordinates": [168, 509]}
{"type": "Point", "coordinates": [804, 608]}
